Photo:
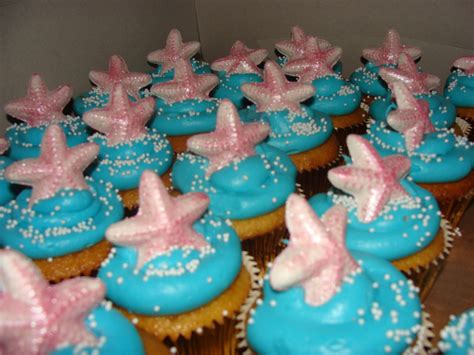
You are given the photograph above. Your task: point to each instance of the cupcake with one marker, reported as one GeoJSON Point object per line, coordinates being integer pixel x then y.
{"type": "Point", "coordinates": [38, 110]}
{"type": "Point", "coordinates": [7, 192]}
{"type": "Point", "coordinates": [183, 106]}
{"type": "Point", "coordinates": [305, 135]}
{"type": "Point", "coordinates": [67, 318]}
{"type": "Point", "coordinates": [127, 146]}
{"type": "Point", "coordinates": [104, 82]}
{"type": "Point", "coordinates": [61, 221]}
{"type": "Point", "coordinates": [388, 216]}
{"type": "Point", "coordinates": [457, 337]}
{"type": "Point", "coordinates": [295, 48]}
{"type": "Point", "coordinates": [334, 96]}
{"type": "Point", "coordinates": [162, 256]}
{"type": "Point", "coordinates": [441, 162]}
{"type": "Point", "coordinates": [367, 77]}
{"type": "Point", "coordinates": [165, 59]}
{"type": "Point", "coordinates": [441, 111]}
{"type": "Point", "coordinates": [247, 182]}
{"type": "Point", "coordinates": [459, 89]}
{"type": "Point", "coordinates": [239, 67]}
{"type": "Point", "coordinates": [320, 298]}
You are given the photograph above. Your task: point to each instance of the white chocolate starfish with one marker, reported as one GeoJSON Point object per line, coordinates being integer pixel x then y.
{"type": "Point", "coordinates": [466, 64]}
{"type": "Point", "coordinates": [241, 60]}
{"type": "Point", "coordinates": [371, 179]}
{"type": "Point", "coordinates": [295, 48]}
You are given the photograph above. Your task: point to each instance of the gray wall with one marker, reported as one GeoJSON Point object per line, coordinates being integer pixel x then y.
{"type": "Point", "coordinates": [64, 39]}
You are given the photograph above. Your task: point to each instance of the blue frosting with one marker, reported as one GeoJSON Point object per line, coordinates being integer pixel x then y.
{"type": "Point", "coordinates": [456, 337]}
{"type": "Point", "coordinates": [199, 67]}
{"type": "Point", "coordinates": [108, 325]}
{"type": "Point", "coordinates": [441, 157]}
{"type": "Point", "coordinates": [282, 60]}
{"type": "Point", "coordinates": [179, 280]}
{"type": "Point", "coordinates": [185, 117]}
{"type": "Point", "coordinates": [229, 87]}
{"type": "Point", "coordinates": [123, 164]}
{"type": "Point", "coordinates": [377, 312]}
{"type": "Point", "coordinates": [292, 132]}
{"type": "Point", "coordinates": [25, 141]}
{"type": "Point", "coordinates": [335, 96]}
{"type": "Point", "coordinates": [442, 111]}
{"type": "Point", "coordinates": [402, 229]}
{"type": "Point", "coordinates": [70, 221]}
{"type": "Point", "coordinates": [6, 189]}
{"type": "Point", "coordinates": [251, 187]}
{"type": "Point", "coordinates": [368, 80]}
{"type": "Point", "coordinates": [459, 88]}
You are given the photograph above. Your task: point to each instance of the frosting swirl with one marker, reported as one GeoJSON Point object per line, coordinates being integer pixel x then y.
{"type": "Point", "coordinates": [456, 337]}
{"type": "Point", "coordinates": [229, 87]}
{"type": "Point", "coordinates": [368, 80]}
{"type": "Point", "coordinates": [459, 88]}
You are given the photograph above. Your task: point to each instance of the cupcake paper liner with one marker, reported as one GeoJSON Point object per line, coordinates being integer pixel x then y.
{"type": "Point", "coordinates": [465, 128]}
{"type": "Point", "coordinates": [425, 277]}
{"type": "Point", "coordinates": [342, 133]}
{"type": "Point", "coordinates": [422, 344]}
{"type": "Point", "coordinates": [454, 210]}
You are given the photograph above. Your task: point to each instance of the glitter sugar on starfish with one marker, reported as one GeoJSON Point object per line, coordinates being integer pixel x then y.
{"type": "Point", "coordinates": [4, 145]}
{"type": "Point", "coordinates": [407, 72]}
{"type": "Point", "coordinates": [371, 179]}
{"type": "Point", "coordinates": [276, 93]}
{"type": "Point", "coordinates": [411, 118]}
{"type": "Point", "coordinates": [121, 120]}
{"type": "Point", "coordinates": [39, 318]}
{"type": "Point", "coordinates": [185, 84]}
{"type": "Point", "coordinates": [230, 142]}
{"type": "Point", "coordinates": [315, 63]}
{"type": "Point", "coordinates": [58, 166]}
{"type": "Point", "coordinates": [162, 223]}
{"type": "Point", "coordinates": [316, 257]}
{"type": "Point", "coordinates": [118, 73]}
{"type": "Point", "coordinates": [175, 50]}
{"type": "Point", "coordinates": [295, 48]}
{"type": "Point", "coordinates": [390, 51]}
{"type": "Point", "coordinates": [40, 106]}
{"type": "Point", "coordinates": [466, 64]}
{"type": "Point", "coordinates": [241, 60]}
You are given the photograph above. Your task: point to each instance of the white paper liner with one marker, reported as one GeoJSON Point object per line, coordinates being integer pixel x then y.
{"type": "Point", "coordinates": [464, 126]}
{"type": "Point", "coordinates": [423, 344]}
{"type": "Point", "coordinates": [364, 107]}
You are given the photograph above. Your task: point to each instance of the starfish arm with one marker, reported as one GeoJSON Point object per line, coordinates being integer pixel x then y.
{"type": "Point", "coordinates": [398, 164]}
{"type": "Point", "coordinates": [257, 93]}
{"type": "Point", "coordinates": [99, 119]}
{"type": "Point", "coordinates": [20, 279]}
{"type": "Point", "coordinates": [170, 91]}
{"type": "Point", "coordinates": [335, 219]}
{"type": "Point", "coordinates": [297, 92]}
{"type": "Point", "coordinates": [75, 333]}
{"type": "Point", "coordinates": [363, 154]}
{"type": "Point", "coordinates": [142, 111]}
{"type": "Point", "coordinates": [81, 156]}
{"type": "Point", "coordinates": [464, 63]}
{"type": "Point", "coordinates": [134, 82]}
{"type": "Point", "coordinates": [208, 82]}
{"type": "Point", "coordinates": [204, 144]}
{"type": "Point", "coordinates": [413, 52]}
{"type": "Point", "coordinates": [321, 288]}
{"type": "Point", "coordinates": [37, 88]}
{"type": "Point", "coordinates": [117, 66]}
{"type": "Point", "coordinates": [430, 81]}
{"type": "Point", "coordinates": [189, 49]}
{"type": "Point", "coordinates": [303, 224]}
{"type": "Point", "coordinates": [258, 56]}
{"type": "Point", "coordinates": [4, 145]}
{"type": "Point", "coordinates": [288, 48]}
{"type": "Point", "coordinates": [296, 66]}
{"type": "Point", "coordinates": [132, 232]}
{"type": "Point", "coordinates": [274, 77]}
{"type": "Point", "coordinates": [403, 119]}
{"type": "Point", "coordinates": [403, 96]}
{"type": "Point", "coordinates": [373, 55]}
{"type": "Point", "coordinates": [392, 75]}
{"type": "Point", "coordinates": [333, 55]}
{"type": "Point", "coordinates": [256, 132]}
{"type": "Point", "coordinates": [27, 172]}
{"type": "Point", "coordinates": [371, 201]}
{"type": "Point", "coordinates": [156, 57]}
{"type": "Point", "coordinates": [61, 96]}
{"type": "Point", "coordinates": [221, 160]}
{"type": "Point", "coordinates": [101, 79]}
{"type": "Point", "coordinates": [191, 206]}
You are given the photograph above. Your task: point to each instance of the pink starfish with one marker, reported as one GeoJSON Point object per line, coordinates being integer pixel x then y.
{"type": "Point", "coordinates": [295, 48]}
{"type": "Point", "coordinates": [315, 63]}
{"type": "Point", "coordinates": [38, 318]}
{"type": "Point", "coordinates": [466, 64]}
{"type": "Point", "coordinates": [40, 106]}
{"type": "Point", "coordinates": [58, 167]}
{"type": "Point", "coordinates": [175, 49]}
{"type": "Point", "coordinates": [390, 50]}
{"type": "Point", "coordinates": [118, 73]}
{"type": "Point", "coordinates": [121, 120]}
{"type": "Point", "coordinates": [411, 118]}
{"type": "Point", "coordinates": [241, 60]}
{"type": "Point", "coordinates": [316, 257]}
{"type": "Point", "coordinates": [407, 72]}
{"type": "Point", "coordinates": [186, 84]}
{"type": "Point", "coordinates": [232, 140]}
{"type": "Point", "coordinates": [162, 222]}
{"type": "Point", "coordinates": [276, 93]}
{"type": "Point", "coordinates": [4, 145]}
{"type": "Point", "coordinates": [371, 179]}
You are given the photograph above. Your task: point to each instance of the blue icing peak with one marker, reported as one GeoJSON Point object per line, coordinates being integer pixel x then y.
{"type": "Point", "coordinates": [403, 228]}
{"type": "Point", "coordinates": [377, 300]}
{"type": "Point", "coordinates": [123, 164]}
{"type": "Point", "coordinates": [115, 333]}
{"type": "Point", "coordinates": [335, 96]}
{"type": "Point", "coordinates": [441, 157]}
{"type": "Point", "coordinates": [442, 111]}
{"type": "Point", "coordinates": [68, 222]}
{"type": "Point", "coordinates": [25, 141]}
{"type": "Point", "coordinates": [251, 187]}
{"type": "Point", "coordinates": [229, 87]}
{"type": "Point", "coordinates": [6, 189]}
{"type": "Point", "coordinates": [199, 67]}
{"type": "Point", "coordinates": [456, 337]}
{"type": "Point", "coordinates": [368, 80]}
{"type": "Point", "coordinates": [167, 284]}
{"type": "Point", "coordinates": [292, 132]}
{"type": "Point", "coordinates": [185, 117]}
{"type": "Point", "coordinates": [459, 88]}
